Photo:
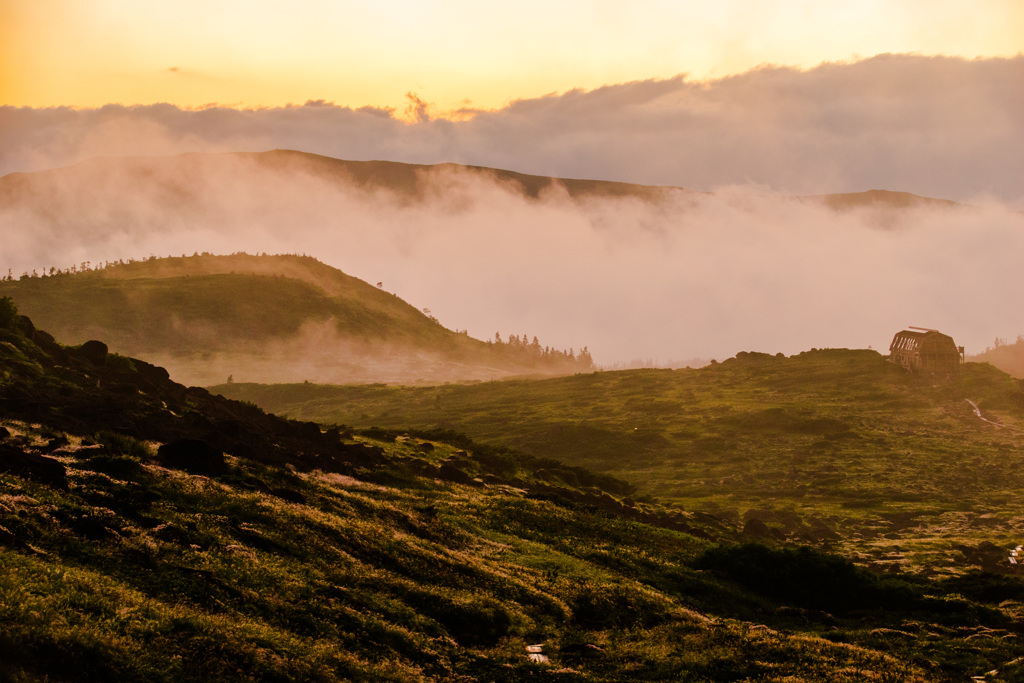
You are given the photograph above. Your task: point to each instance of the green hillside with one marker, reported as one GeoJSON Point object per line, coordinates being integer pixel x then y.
{"type": "Point", "coordinates": [265, 318]}
{"type": "Point", "coordinates": [1007, 357]}
{"type": "Point", "coordinates": [153, 532]}
{"type": "Point", "coordinates": [832, 446]}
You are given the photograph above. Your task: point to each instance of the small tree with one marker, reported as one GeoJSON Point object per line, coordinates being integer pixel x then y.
{"type": "Point", "coordinates": [8, 313]}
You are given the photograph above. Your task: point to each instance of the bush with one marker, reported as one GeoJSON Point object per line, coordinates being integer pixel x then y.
{"type": "Point", "coordinates": [477, 621]}
{"type": "Point", "coordinates": [119, 444]}
{"type": "Point", "coordinates": [986, 587]}
{"type": "Point", "coordinates": [603, 606]}
{"type": "Point", "coordinates": [806, 577]}
{"type": "Point", "coordinates": [8, 313]}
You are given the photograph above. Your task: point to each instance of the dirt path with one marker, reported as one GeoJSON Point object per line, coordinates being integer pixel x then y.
{"type": "Point", "coordinates": [977, 411]}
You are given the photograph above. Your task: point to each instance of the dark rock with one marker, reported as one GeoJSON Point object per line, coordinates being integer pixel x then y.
{"type": "Point", "coordinates": [92, 528]}
{"type": "Point", "coordinates": [94, 352]}
{"type": "Point", "coordinates": [172, 533]}
{"type": "Point", "coordinates": [25, 326]}
{"type": "Point", "coordinates": [47, 343]}
{"type": "Point", "coordinates": [290, 495]}
{"type": "Point", "coordinates": [607, 503]}
{"type": "Point", "coordinates": [426, 447]}
{"type": "Point", "coordinates": [191, 455]}
{"type": "Point", "coordinates": [32, 466]}
{"type": "Point", "coordinates": [755, 527]}
{"type": "Point", "coordinates": [197, 392]}
{"type": "Point", "coordinates": [450, 472]}
{"type": "Point", "coordinates": [4, 433]}
{"type": "Point", "coordinates": [308, 430]}
{"type": "Point", "coordinates": [55, 443]}
{"type": "Point", "coordinates": [151, 373]}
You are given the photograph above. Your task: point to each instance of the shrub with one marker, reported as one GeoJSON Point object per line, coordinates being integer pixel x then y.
{"type": "Point", "coordinates": [119, 444]}
{"type": "Point", "coordinates": [480, 620]}
{"type": "Point", "coordinates": [806, 577]}
{"type": "Point", "coordinates": [8, 313]}
{"type": "Point", "coordinates": [986, 587]}
{"type": "Point", "coordinates": [601, 606]}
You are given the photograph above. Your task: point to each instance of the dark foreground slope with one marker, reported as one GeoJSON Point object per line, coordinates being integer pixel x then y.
{"type": "Point", "coordinates": [153, 532]}
{"type": "Point", "coordinates": [265, 318]}
{"type": "Point", "coordinates": [831, 446]}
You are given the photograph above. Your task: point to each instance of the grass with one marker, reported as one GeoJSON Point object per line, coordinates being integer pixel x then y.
{"type": "Point", "coordinates": [423, 555]}
{"type": "Point", "coordinates": [201, 579]}
{"type": "Point", "coordinates": [832, 446]}
{"type": "Point", "coordinates": [209, 317]}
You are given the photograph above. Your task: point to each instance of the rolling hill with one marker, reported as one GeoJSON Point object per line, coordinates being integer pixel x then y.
{"type": "Point", "coordinates": [1007, 357]}
{"type": "Point", "coordinates": [833, 446]}
{"type": "Point", "coordinates": [107, 189]}
{"type": "Point", "coordinates": [266, 318]}
{"type": "Point", "coordinates": [153, 532]}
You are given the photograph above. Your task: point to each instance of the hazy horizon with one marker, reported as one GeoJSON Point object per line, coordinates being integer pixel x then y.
{"type": "Point", "coordinates": [751, 102]}
{"type": "Point", "coordinates": [691, 276]}
{"type": "Point", "coordinates": [936, 126]}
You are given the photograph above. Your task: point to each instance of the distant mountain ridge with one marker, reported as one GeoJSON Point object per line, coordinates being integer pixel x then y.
{"type": "Point", "coordinates": [411, 181]}
{"type": "Point", "coordinates": [278, 318]}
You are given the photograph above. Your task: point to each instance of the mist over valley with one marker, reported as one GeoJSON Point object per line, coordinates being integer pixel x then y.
{"type": "Point", "coordinates": [655, 275]}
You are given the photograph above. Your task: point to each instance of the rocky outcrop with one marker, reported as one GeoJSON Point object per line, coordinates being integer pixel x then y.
{"type": "Point", "coordinates": [33, 466]}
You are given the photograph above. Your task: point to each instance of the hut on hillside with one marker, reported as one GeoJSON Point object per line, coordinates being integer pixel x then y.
{"type": "Point", "coordinates": [922, 350]}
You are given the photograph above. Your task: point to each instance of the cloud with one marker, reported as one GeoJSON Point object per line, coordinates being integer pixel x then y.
{"type": "Point", "coordinates": [937, 126]}
{"type": "Point", "coordinates": [690, 276]}
{"type": "Point", "coordinates": [933, 126]}
{"type": "Point", "coordinates": [418, 109]}
{"type": "Point", "coordinates": [705, 276]}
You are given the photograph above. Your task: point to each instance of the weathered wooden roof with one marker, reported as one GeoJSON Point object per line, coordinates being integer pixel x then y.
{"type": "Point", "coordinates": [908, 339]}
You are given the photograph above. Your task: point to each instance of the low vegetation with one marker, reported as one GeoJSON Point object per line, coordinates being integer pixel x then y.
{"type": "Point", "coordinates": [268, 318]}
{"type": "Point", "coordinates": [1008, 357]}
{"type": "Point", "coordinates": [153, 532]}
{"type": "Point", "coordinates": [833, 447]}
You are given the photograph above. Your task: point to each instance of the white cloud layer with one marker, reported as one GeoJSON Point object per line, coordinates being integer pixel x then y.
{"type": "Point", "coordinates": [937, 126]}
{"type": "Point", "coordinates": [694, 276]}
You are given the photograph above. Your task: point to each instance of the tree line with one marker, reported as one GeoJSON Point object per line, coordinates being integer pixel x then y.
{"type": "Point", "coordinates": [579, 360]}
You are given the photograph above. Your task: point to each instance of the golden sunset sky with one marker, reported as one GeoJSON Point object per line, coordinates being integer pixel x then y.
{"type": "Point", "coordinates": [455, 54]}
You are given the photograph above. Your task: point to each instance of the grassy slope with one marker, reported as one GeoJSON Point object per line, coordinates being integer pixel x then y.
{"type": "Point", "coordinates": [125, 569]}
{"type": "Point", "coordinates": [1007, 357]}
{"type": "Point", "coordinates": [210, 316]}
{"type": "Point", "coordinates": [831, 444]}
{"type": "Point", "coordinates": [241, 299]}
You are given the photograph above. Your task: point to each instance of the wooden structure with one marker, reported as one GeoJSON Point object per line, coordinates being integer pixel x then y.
{"type": "Point", "coordinates": [926, 351]}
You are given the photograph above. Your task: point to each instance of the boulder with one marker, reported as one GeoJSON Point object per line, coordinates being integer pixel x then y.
{"type": "Point", "coordinates": [449, 472]}
{"type": "Point", "coordinates": [191, 455]}
{"type": "Point", "coordinates": [33, 466]}
{"type": "Point", "coordinates": [756, 528]}
{"type": "Point", "coordinates": [94, 351]}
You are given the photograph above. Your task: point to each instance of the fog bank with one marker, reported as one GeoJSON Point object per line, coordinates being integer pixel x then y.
{"type": "Point", "coordinates": [936, 126]}
{"type": "Point", "coordinates": [692, 276]}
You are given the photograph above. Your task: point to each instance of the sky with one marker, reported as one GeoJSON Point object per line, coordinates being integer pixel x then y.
{"type": "Point", "coordinates": [454, 54]}
{"type": "Point", "coordinates": [753, 101]}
